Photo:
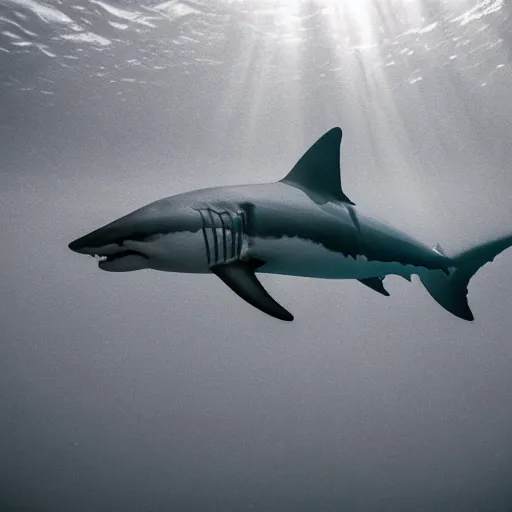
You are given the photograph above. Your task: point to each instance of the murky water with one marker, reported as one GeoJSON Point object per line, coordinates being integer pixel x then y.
{"type": "Point", "coordinates": [165, 392]}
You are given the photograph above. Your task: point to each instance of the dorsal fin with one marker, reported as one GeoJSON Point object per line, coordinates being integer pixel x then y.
{"type": "Point", "coordinates": [318, 170]}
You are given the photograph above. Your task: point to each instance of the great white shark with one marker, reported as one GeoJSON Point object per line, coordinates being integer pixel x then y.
{"type": "Point", "coordinates": [303, 225]}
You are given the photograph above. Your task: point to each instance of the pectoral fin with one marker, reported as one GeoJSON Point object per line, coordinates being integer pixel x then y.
{"type": "Point", "coordinates": [240, 277]}
{"type": "Point", "coordinates": [375, 283]}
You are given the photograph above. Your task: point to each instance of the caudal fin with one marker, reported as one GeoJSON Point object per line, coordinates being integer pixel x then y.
{"type": "Point", "coordinates": [450, 291]}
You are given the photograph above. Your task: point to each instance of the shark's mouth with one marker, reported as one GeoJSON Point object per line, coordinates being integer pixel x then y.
{"type": "Point", "coordinates": [103, 259]}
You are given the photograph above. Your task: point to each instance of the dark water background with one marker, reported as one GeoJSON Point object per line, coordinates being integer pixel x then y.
{"type": "Point", "coordinates": [155, 392]}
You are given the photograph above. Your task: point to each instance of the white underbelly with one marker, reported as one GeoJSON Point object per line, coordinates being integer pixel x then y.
{"type": "Point", "coordinates": [299, 257]}
{"type": "Point", "coordinates": [187, 252]}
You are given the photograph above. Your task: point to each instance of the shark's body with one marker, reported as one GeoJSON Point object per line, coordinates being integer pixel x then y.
{"type": "Point", "coordinates": [303, 225]}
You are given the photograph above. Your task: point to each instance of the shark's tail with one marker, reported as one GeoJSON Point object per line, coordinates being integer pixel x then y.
{"type": "Point", "coordinates": [450, 291]}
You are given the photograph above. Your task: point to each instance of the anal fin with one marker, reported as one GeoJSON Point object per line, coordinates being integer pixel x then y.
{"type": "Point", "coordinates": [240, 276]}
{"type": "Point", "coordinates": [375, 283]}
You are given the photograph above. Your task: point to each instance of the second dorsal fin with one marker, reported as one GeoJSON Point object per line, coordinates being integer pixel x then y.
{"type": "Point", "coordinates": [375, 283]}
{"type": "Point", "coordinates": [318, 170]}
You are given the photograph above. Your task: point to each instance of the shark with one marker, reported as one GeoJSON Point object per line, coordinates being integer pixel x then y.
{"type": "Point", "coordinates": [302, 225]}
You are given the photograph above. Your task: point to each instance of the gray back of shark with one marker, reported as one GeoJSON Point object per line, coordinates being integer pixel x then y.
{"type": "Point", "coordinates": [303, 225]}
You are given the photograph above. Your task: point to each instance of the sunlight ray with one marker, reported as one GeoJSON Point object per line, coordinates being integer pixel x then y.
{"type": "Point", "coordinates": [374, 53]}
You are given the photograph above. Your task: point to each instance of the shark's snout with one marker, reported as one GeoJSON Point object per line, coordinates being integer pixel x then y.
{"type": "Point", "coordinates": [78, 246]}
{"type": "Point", "coordinates": [101, 241]}
{"type": "Point", "coordinates": [91, 244]}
